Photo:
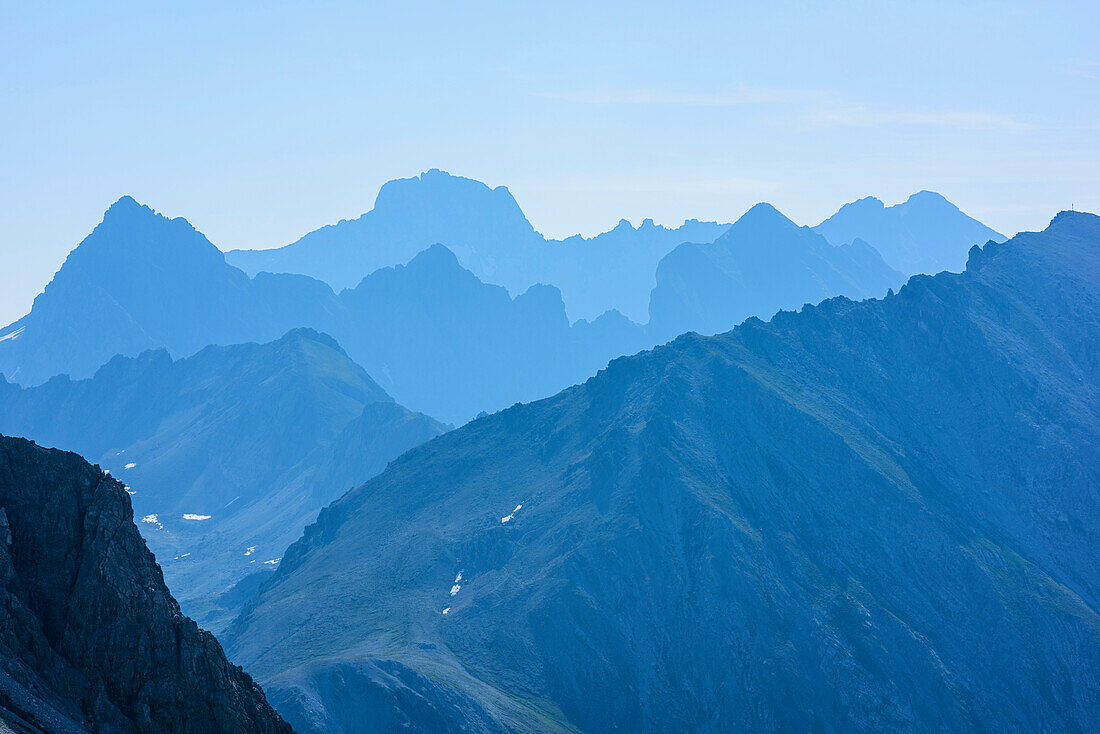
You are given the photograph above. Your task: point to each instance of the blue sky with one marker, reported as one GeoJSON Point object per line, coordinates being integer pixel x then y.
{"type": "Point", "coordinates": [260, 123]}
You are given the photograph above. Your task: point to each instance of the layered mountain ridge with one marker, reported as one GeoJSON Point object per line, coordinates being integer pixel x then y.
{"type": "Point", "coordinates": [488, 232]}
{"type": "Point", "coordinates": [229, 453]}
{"type": "Point", "coordinates": [763, 264]}
{"type": "Point", "coordinates": [433, 335]}
{"type": "Point", "coordinates": [862, 516]}
{"type": "Point", "coordinates": [924, 234]}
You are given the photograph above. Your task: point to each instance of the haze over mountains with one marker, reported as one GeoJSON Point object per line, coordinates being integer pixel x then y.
{"type": "Point", "coordinates": [492, 238]}
{"type": "Point", "coordinates": [487, 231]}
{"type": "Point", "coordinates": [864, 516]}
{"type": "Point", "coordinates": [90, 638]}
{"type": "Point", "coordinates": [924, 234]}
{"type": "Point", "coordinates": [229, 453]}
{"type": "Point", "coordinates": [764, 263]}
{"type": "Point", "coordinates": [433, 335]}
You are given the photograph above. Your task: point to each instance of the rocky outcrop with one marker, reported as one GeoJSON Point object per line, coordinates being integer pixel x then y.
{"type": "Point", "coordinates": [90, 637]}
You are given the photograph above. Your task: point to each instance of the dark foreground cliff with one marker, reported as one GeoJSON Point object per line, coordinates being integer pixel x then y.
{"type": "Point", "coordinates": [90, 637]}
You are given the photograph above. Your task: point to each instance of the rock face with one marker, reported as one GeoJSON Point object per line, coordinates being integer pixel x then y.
{"type": "Point", "coordinates": [90, 638]}
{"type": "Point", "coordinates": [876, 516]}
{"type": "Point", "coordinates": [229, 453]}
{"type": "Point", "coordinates": [924, 234]}
{"type": "Point", "coordinates": [764, 263]}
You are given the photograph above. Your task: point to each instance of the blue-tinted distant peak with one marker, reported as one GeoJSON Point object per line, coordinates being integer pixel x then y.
{"type": "Point", "coordinates": [763, 216]}
{"type": "Point", "coordinates": [126, 206]}
{"type": "Point", "coordinates": [929, 199]}
{"type": "Point", "coordinates": [436, 256]}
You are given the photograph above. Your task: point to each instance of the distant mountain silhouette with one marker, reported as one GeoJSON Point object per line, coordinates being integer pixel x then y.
{"type": "Point", "coordinates": [925, 234]}
{"type": "Point", "coordinates": [484, 227]}
{"type": "Point", "coordinates": [430, 332]}
{"type": "Point", "coordinates": [90, 638]}
{"type": "Point", "coordinates": [253, 439]}
{"type": "Point", "coordinates": [487, 231]}
{"type": "Point", "coordinates": [763, 263]}
{"type": "Point", "coordinates": [142, 281]}
{"type": "Point", "coordinates": [615, 270]}
{"type": "Point", "coordinates": [873, 516]}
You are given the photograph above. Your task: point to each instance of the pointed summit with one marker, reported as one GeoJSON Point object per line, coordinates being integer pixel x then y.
{"type": "Point", "coordinates": [125, 204]}
{"type": "Point", "coordinates": [924, 234]}
{"type": "Point", "coordinates": [764, 263]}
{"type": "Point", "coordinates": [761, 217]}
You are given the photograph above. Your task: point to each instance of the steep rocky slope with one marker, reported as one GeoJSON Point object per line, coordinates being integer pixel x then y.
{"type": "Point", "coordinates": [90, 638]}
{"type": "Point", "coordinates": [861, 517]}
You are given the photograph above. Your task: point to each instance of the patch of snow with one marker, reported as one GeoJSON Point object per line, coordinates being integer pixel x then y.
{"type": "Point", "coordinates": [152, 520]}
{"type": "Point", "coordinates": [131, 465]}
{"type": "Point", "coordinates": [250, 551]}
{"type": "Point", "coordinates": [458, 577]}
{"type": "Point", "coordinates": [190, 516]}
{"type": "Point", "coordinates": [273, 561]}
{"type": "Point", "coordinates": [447, 611]}
{"type": "Point", "coordinates": [12, 335]}
{"type": "Point", "coordinates": [455, 589]}
{"type": "Point", "coordinates": [508, 518]}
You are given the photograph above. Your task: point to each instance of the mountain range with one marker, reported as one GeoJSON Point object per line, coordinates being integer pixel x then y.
{"type": "Point", "coordinates": [228, 454]}
{"type": "Point", "coordinates": [434, 336]}
{"type": "Point", "coordinates": [487, 230]}
{"type": "Point", "coordinates": [924, 234]}
{"type": "Point", "coordinates": [430, 332]}
{"type": "Point", "coordinates": [90, 638]}
{"type": "Point", "coordinates": [764, 263]}
{"type": "Point", "coordinates": [859, 517]}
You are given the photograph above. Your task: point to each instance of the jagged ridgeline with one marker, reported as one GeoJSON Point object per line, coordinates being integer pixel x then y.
{"type": "Point", "coordinates": [873, 516]}
{"type": "Point", "coordinates": [91, 639]}
{"type": "Point", "coordinates": [450, 299]}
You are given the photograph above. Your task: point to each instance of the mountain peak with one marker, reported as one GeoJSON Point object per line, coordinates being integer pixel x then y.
{"type": "Point", "coordinates": [306, 334]}
{"type": "Point", "coordinates": [929, 198]}
{"type": "Point", "coordinates": [763, 216]}
{"type": "Point", "coordinates": [126, 207]}
{"type": "Point", "coordinates": [435, 257]}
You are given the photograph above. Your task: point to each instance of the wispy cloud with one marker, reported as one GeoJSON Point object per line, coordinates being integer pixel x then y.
{"type": "Point", "coordinates": [868, 117]}
{"type": "Point", "coordinates": [820, 109]}
{"type": "Point", "coordinates": [738, 96]}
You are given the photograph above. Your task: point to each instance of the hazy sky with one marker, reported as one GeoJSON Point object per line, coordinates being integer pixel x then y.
{"type": "Point", "coordinates": [260, 124]}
